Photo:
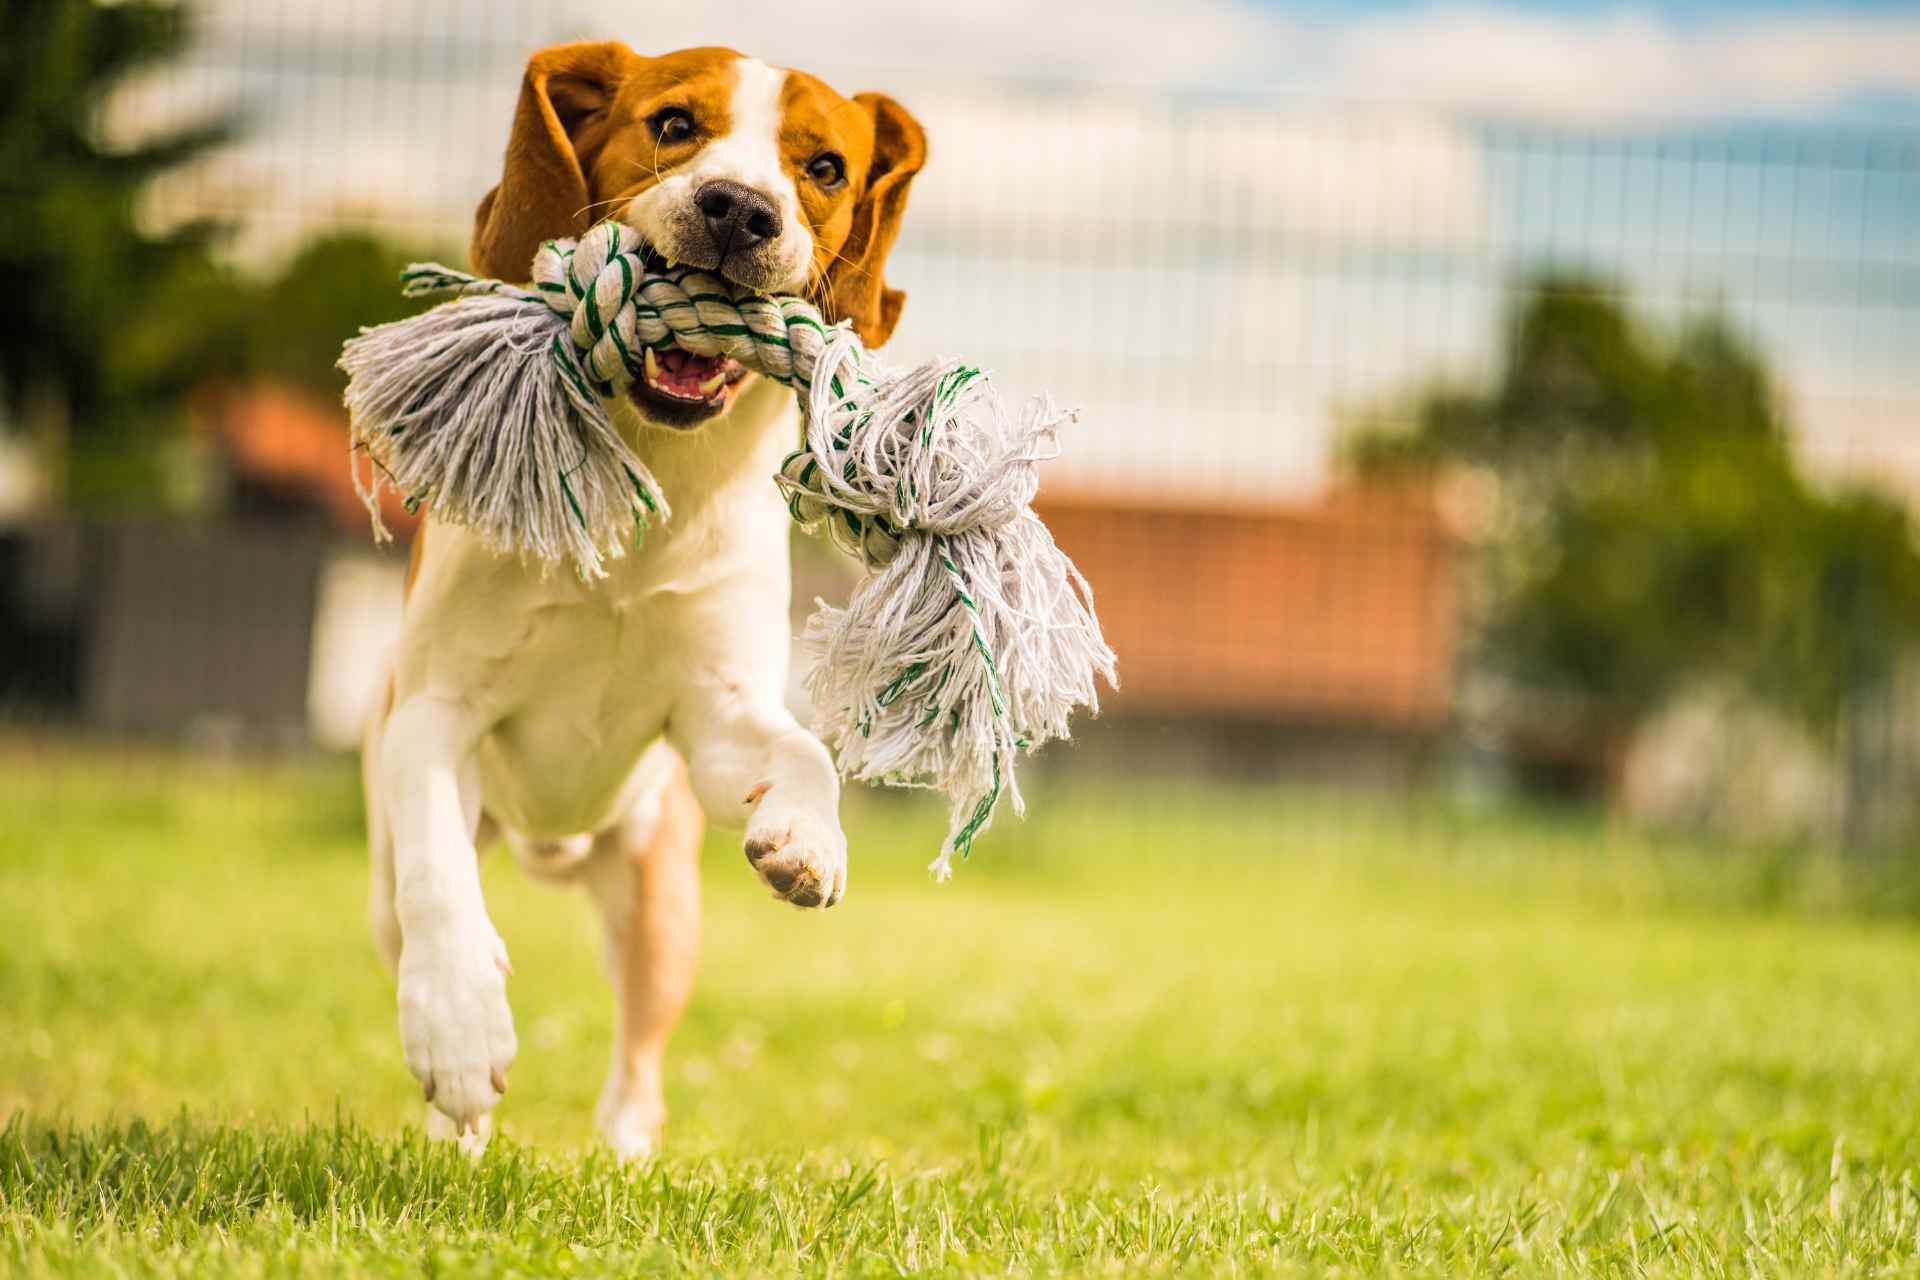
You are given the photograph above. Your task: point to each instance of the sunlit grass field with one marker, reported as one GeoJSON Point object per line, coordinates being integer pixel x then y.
{"type": "Point", "coordinates": [1154, 1028]}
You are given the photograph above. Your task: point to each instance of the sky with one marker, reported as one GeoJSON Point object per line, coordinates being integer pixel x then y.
{"type": "Point", "coordinates": [1588, 61]}
{"type": "Point", "coordinates": [1572, 58]}
{"type": "Point", "coordinates": [1230, 222]}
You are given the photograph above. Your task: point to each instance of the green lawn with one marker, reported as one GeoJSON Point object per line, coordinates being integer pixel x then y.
{"type": "Point", "coordinates": [1151, 1029]}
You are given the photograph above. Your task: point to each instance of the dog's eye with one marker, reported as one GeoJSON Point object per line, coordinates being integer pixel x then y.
{"type": "Point", "coordinates": [672, 124]}
{"type": "Point", "coordinates": [827, 169]}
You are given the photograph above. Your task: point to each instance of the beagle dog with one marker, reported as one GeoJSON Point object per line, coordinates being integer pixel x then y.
{"type": "Point", "coordinates": [592, 725]}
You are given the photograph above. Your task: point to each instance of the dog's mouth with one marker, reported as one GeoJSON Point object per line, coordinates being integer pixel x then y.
{"type": "Point", "coordinates": [680, 389]}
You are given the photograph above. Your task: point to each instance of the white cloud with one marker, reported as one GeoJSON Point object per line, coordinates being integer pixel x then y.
{"type": "Point", "coordinates": [1622, 65]}
{"type": "Point", "coordinates": [1089, 167]}
{"type": "Point", "coordinates": [1627, 66]}
{"type": "Point", "coordinates": [1209, 272]}
{"type": "Point", "coordinates": [1137, 42]}
{"type": "Point", "coordinates": [1133, 42]}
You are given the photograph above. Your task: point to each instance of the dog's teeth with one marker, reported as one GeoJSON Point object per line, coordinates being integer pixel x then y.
{"type": "Point", "coordinates": [653, 366]}
{"type": "Point", "coordinates": [713, 384]}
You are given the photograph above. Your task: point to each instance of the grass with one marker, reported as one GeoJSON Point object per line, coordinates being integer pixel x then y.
{"type": "Point", "coordinates": [1151, 1030]}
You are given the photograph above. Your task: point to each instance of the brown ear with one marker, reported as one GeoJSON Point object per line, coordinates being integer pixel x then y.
{"type": "Point", "coordinates": [558, 128]}
{"type": "Point", "coordinates": [855, 289]}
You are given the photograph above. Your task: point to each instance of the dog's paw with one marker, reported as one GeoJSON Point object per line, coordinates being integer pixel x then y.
{"type": "Point", "coordinates": [631, 1126]}
{"type": "Point", "coordinates": [472, 1141]}
{"type": "Point", "coordinates": [802, 857]}
{"type": "Point", "coordinates": [454, 1021]}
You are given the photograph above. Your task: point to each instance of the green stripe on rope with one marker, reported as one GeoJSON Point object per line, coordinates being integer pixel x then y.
{"type": "Point", "coordinates": [989, 603]}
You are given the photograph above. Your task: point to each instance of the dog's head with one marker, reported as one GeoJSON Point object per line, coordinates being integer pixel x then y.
{"type": "Point", "coordinates": [766, 176]}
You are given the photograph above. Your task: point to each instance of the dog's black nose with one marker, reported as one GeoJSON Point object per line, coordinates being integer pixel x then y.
{"type": "Point", "coordinates": [738, 217]}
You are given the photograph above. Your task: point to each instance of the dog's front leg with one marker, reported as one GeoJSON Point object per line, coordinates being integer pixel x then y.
{"type": "Point", "coordinates": [748, 756]}
{"type": "Point", "coordinates": [454, 1020]}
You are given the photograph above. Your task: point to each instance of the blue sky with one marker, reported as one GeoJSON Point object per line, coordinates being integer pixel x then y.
{"type": "Point", "coordinates": [1855, 61]}
{"type": "Point", "coordinates": [1372, 178]}
{"type": "Point", "coordinates": [1683, 10]}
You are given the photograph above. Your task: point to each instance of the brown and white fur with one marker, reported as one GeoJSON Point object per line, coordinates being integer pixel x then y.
{"type": "Point", "coordinates": [591, 724]}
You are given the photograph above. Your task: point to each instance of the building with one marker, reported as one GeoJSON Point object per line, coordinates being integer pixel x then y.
{"type": "Point", "coordinates": [1311, 639]}
{"type": "Point", "coordinates": [1316, 639]}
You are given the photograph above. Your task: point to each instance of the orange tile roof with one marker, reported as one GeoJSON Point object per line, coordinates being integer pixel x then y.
{"type": "Point", "coordinates": [291, 441]}
{"type": "Point", "coordinates": [1342, 610]}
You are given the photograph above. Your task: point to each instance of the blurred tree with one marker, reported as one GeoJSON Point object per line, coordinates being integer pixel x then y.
{"type": "Point", "coordinates": [95, 348]}
{"type": "Point", "coordinates": [1651, 531]}
{"type": "Point", "coordinates": [332, 287]}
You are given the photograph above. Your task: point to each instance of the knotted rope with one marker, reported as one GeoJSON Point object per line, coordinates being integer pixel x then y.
{"type": "Point", "coordinates": [972, 638]}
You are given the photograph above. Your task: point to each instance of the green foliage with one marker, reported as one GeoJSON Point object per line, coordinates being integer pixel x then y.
{"type": "Point", "coordinates": [89, 340]}
{"type": "Point", "coordinates": [111, 325]}
{"type": "Point", "coordinates": [336, 284]}
{"type": "Point", "coordinates": [1153, 1029]}
{"type": "Point", "coordinates": [1653, 528]}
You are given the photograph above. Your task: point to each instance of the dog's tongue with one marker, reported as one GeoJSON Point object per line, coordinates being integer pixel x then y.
{"type": "Point", "coordinates": [686, 374]}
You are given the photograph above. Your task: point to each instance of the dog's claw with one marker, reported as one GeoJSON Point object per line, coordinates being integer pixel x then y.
{"type": "Point", "coordinates": [766, 846]}
{"type": "Point", "coordinates": [803, 860]}
{"type": "Point", "coordinates": [499, 1081]}
{"type": "Point", "coordinates": [454, 1020]}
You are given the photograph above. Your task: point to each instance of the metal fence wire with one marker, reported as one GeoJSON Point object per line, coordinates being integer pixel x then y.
{"type": "Point", "coordinates": [1212, 281]}
{"type": "Point", "coordinates": [1221, 283]}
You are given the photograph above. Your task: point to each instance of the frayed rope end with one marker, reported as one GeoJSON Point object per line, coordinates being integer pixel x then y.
{"type": "Point", "coordinates": [973, 639]}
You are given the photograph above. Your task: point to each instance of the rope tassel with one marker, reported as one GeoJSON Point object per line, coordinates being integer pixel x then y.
{"type": "Point", "coordinates": [973, 637]}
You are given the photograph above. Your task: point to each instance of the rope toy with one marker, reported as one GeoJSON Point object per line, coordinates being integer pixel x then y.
{"type": "Point", "coordinates": [973, 636]}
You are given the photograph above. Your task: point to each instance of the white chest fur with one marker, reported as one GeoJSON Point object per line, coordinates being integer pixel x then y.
{"type": "Point", "coordinates": [534, 697]}
{"type": "Point", "coordinates": [566, 682]}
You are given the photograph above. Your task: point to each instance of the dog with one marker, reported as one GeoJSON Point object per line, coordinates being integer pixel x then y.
{"type": "Point", "coordinates": [595, 726]}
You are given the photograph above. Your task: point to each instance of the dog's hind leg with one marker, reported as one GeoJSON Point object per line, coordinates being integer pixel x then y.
{"type": "Point", "coordinates": [644, 877]}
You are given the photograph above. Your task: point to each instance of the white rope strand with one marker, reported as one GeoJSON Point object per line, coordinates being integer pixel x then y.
{"type": "Point", "coordinates": [971, 640]}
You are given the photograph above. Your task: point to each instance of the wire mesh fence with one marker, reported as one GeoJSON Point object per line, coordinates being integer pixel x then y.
{"type": "Point", "coordinates": [1228, 288]}
{"type": "Point", "coordinates": [1212, 280]}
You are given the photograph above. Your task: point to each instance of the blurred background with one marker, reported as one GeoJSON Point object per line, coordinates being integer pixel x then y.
{"type": "Point", "coordinates": [1499, 436]}
{"type": "Point", "coordinates": [1512, 406]}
